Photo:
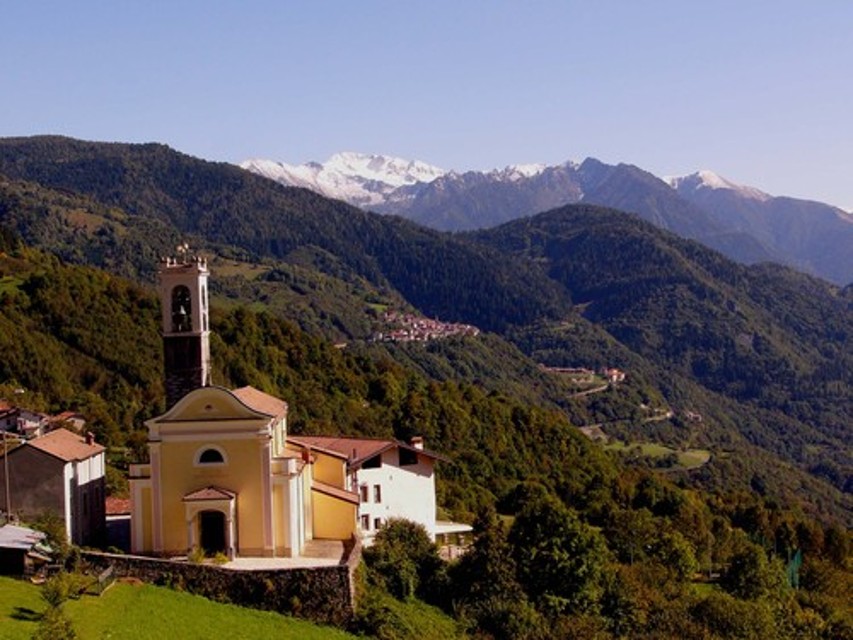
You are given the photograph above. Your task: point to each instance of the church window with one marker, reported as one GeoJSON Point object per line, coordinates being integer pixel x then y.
{"type": "Point", "coordinates": [210, 455]}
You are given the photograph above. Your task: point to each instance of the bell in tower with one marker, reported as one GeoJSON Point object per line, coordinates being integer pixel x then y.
{"type": "Point", "coordinates": [186, 335]}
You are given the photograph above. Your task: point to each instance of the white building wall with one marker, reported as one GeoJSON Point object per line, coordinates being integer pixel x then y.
{"type": "Point", "coordinates": [406, 492]}
{"type": "Point", "coordinates": [68, 482]}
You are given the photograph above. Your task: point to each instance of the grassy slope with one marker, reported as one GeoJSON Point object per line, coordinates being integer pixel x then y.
{"type": "Point", "coordinates": [137, 612]}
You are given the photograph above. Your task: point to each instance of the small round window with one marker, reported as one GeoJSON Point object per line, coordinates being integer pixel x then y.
{"type": "Point", "coordinates": [211, 456]}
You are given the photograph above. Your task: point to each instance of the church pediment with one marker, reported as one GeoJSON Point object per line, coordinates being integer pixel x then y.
{"type": "Point", "coordinates": [209, 405]}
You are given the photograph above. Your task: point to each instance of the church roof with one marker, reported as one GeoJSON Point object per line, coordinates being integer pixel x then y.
{"type": "Point", "coordinates": [66, 445]}
{"type": "Point", "coordinates": [260, 401]}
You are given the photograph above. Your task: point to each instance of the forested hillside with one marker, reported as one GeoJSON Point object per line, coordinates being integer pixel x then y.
{"type": "Point", "coordinates": [773, 341]}
{"type": "Point", "coordinates": [220, 204]}
{"type": "Point", "coordinates": [595, 546]}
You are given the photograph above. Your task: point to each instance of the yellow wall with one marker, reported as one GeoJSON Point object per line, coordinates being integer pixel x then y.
{"type": "Point", "coordinates": [329, 469]}
{"type": "Point", "coordinates": [179, 477]}
{"type": "Point", "coordinates": [334, 519]}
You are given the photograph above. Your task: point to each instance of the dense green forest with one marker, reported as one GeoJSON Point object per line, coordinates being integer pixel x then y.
{"type": "Point", "coordinates": [750, 365]}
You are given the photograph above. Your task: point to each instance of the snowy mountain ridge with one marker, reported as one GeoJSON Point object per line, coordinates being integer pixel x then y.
{"type": "Point", "coordinates": [360, 179]}
{"type": "Point", "coordinates": [743, 222]}
{"type": "Point", "coordinates": [706, 179]}
{"type": "Point", "coordinates": [369, 180]}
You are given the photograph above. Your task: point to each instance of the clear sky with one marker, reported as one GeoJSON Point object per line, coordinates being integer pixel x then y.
{"type": "Point", "coordinates": [758, 91]}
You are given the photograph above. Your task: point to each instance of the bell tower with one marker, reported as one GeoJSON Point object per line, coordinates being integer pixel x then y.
{"type": "Point", "coordinates": [186, 332]}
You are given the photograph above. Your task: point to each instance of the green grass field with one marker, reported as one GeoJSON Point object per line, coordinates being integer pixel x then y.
{"type": "Point", "coordinates": [688, 459]}
{"type": "Point", "coordinates": [137, 612]}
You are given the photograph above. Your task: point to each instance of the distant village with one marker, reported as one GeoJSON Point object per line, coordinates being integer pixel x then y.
{"type": "Point", "coordinates": [412, 328]}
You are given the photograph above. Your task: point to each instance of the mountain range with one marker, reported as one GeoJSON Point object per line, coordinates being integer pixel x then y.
{"type": "Point", "coordinates": [742, 222]}
{"type": "Point", "coordinates": [760, 352]}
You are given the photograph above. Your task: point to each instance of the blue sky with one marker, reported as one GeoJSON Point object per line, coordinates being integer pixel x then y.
{"type": "Point", "coordinates": [758, 91]}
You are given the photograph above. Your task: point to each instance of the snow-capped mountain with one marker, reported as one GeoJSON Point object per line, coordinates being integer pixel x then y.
{"type": "Point", "coordinates": [742, 222]}
{"type": "Point", "coordinates": [706, 179]}
{"type": "Point", "coordinates": [360, 179]}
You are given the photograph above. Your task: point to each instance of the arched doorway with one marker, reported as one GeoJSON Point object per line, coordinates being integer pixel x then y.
{"type": "Point", "coordinates": [211, 526]}
{"type": "Point", "coordinates": [211, 515]}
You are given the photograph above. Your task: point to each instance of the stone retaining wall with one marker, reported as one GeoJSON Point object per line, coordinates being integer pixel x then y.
{"type": "Point", "coordinates": [322, 594]}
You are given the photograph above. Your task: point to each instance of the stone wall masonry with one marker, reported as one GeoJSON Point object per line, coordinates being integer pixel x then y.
{"type": "Point", "coordinates": [322, 594]}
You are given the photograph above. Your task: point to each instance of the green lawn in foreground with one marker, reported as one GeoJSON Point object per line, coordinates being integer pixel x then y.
{"type": "Point", "coordinates": [138, 612]}
{"type": "Point", "coordinates": [20, 604]}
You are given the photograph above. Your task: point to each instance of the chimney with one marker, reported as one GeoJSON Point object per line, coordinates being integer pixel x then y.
{"type": "Point", "coordinates": [90, 437]}
{"type": "Point", "coordinates": [417, 442]}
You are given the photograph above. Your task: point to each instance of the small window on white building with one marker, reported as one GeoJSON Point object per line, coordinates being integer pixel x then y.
{"type": "Point", "coordinates": [372, 463]}
{"type": "Point", "coordinates": [364, 492]}
{"type": "Point", "coordinates": [377, 493]}
{"type": "Point", "coordinates": [377, 523]}
{"type": "Point", "coordinates": [365, 522]}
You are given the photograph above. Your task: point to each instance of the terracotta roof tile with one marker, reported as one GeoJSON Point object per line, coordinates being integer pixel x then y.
{"type": "Point", "coordinates": [65, 445]}
{"type": "Point", "coordinates": [117, 506]}
{"type": "Point", "coordinates": [260, 401]}
{"type": "Point", "coordinates": [356, 450]}
{"type": "Point", "coordinates": [349, 448]}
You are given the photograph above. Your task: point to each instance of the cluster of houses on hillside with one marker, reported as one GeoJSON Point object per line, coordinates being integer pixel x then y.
{"type": "Point", "coordinates": [223, 474]}
{"type": "Point", "coordinates": [412, 328]}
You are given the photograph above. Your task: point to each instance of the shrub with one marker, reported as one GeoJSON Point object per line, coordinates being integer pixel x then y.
{"type": "Point", "coordinates": [404, 560]}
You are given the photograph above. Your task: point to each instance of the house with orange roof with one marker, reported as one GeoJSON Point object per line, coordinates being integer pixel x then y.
{"type": "Point", "coordinates": [62, 473]}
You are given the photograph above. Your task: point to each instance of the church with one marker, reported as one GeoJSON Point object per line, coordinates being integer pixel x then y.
{"type": "Point", "coordinates": [224, 476]}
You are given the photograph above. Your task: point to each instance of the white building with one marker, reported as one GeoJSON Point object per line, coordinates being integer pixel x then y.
{"type": "Point", "coordinates": [392, 478]}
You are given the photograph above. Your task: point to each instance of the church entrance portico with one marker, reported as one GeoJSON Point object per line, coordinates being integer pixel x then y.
{"type": "Point", "coordinates": [210, 515]}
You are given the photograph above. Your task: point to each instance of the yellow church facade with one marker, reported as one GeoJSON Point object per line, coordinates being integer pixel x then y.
{"type": "Point", "coordinates": [221, 477]}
